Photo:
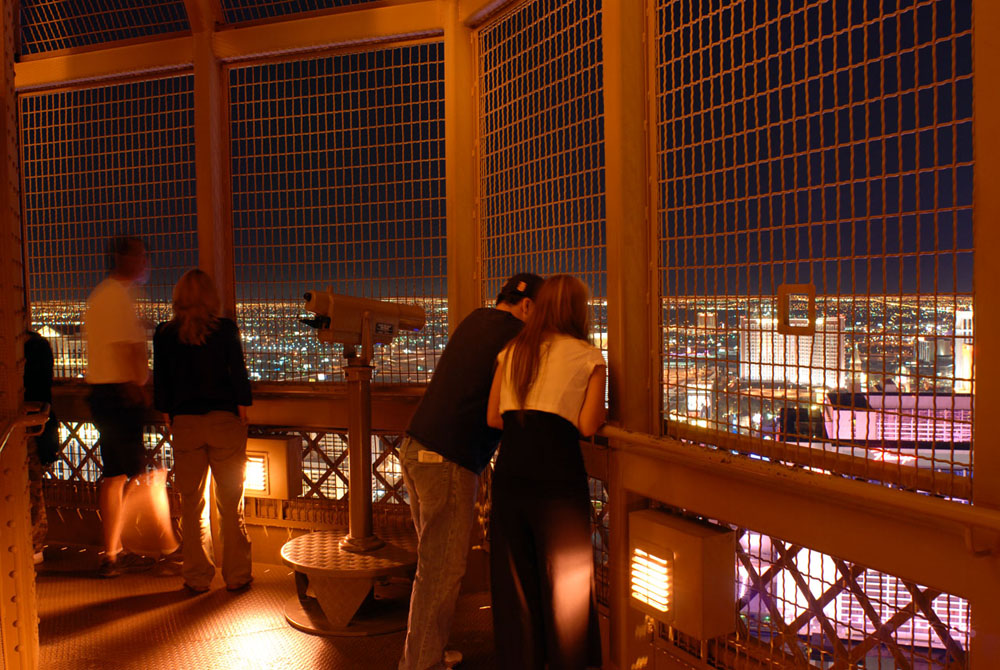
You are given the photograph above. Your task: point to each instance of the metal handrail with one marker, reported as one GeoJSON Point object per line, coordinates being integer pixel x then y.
{"type": "Point", "coordinates": [32, 421]}
{"type": "Point", "coordinates": [847, 491]}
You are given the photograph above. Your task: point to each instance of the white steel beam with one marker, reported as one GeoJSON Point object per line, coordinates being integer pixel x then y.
{"type": "Point", "coordinates": [359, 27]}
{"type": "Point", "coordinates": [215, 239]}
{"type": "Point", "coordinates": [18, 605]}
{"type": "Point", "coordinates": [156, 55]}
{"type": "Point", "coordinates": [462, 227]}
{"type": "Point", "coordinates": [632, 352]}
{"type": "Point", "coordinates": [203, 15]}
{"type": "Point", "coordinates": [474, 12]}
{"type": "Point", "coordinates": [985, 645]}
{"type": "Point", "coordinates": [908, 535]}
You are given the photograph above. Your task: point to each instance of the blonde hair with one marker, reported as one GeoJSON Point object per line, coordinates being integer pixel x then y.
{"type": "Point", "coordinates": [561, 307]}
{"type": "Point", "coordinates": [196, 307]}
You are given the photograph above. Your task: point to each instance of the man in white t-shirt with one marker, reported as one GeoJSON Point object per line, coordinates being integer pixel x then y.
{"type": "Point", "coordinates": [117, 371]}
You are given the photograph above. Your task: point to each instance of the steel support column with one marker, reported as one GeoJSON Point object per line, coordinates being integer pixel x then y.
{"type": "Point", "coordinates": [460, 166]}
{"type": "Point", "coordinates": [18, 609]}
{"type": "Point", "coordinates": [631, 355]}
{"type": "Point", "coordinates": [985, 605]}
{"type": "Point", "coordinates": [215, 243]}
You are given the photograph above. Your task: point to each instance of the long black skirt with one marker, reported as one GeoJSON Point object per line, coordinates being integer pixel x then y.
{"type": "Point", "coordinates": [541, 553]}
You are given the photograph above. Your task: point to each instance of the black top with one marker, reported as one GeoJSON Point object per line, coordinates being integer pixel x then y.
{"type": "Point", "coordinates": [451, 418]}
{"type": "Point", "coordinates": [199, 379]}
{"type": "Point", "coordinates": [38, 370]}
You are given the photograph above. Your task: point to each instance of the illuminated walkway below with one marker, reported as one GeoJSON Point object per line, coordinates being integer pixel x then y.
{"type": "Point", "coordinates": [147, 621]}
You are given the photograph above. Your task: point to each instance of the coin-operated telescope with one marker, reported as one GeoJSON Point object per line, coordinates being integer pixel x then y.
{"type": "Point", "coordinates": [360, 322]}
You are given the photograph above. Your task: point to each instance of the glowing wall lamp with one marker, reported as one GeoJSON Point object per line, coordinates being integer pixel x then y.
{"type": "Point", "coordinates": [681, 573]}
{"type": "Point", "coordinates": [274, 468]}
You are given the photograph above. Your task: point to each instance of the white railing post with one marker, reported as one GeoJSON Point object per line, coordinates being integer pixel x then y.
{"type": "Point", "coordinates": [633, 354]}
{"type": "Point", "coordinates": [985, 642]}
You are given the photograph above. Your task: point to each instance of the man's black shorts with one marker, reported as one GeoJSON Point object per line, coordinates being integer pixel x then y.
{"type": "Point", "coordinates": [117, 411]}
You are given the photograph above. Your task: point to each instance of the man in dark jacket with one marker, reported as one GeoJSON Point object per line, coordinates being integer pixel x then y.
{"type": "Point", "coordinates": [447, 446]}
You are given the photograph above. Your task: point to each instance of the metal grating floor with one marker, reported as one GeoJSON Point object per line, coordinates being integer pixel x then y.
{"type": "Point", "coordinates": [148, 621]}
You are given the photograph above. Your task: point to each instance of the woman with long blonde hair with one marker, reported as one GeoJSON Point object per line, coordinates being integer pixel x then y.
{"type": "Point", "coordinates": [547, 393]}
{"type": "Point", "coordinates": [201, 383]}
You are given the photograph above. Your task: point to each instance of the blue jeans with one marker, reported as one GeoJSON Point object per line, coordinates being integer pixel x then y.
{"type": "Point", "coordinates": [442, 501]}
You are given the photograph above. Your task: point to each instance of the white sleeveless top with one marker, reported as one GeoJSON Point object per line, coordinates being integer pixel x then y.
{"type": "Point", "coordinates": [564, 370]}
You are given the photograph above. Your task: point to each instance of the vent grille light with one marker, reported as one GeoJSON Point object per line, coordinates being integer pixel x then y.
{"type": "Point", "coordinates": [651, 576]}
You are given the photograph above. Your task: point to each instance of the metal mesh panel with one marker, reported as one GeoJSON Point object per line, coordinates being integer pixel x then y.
{"type": "Point", "coordinates": [541, 146]}
{"type": "Point", "coordinates": [99, 163]}
{"type": "Point", "coordinates": [79, 454]}
{"type": "Point", "coordinates": [50, 25]}
{"type": "Point", "coordinates": [599, 531]}
{"type": "Point", "coordinates": [241, 11]}
{"type": "Point", "coordinates": [823, 147]}
{"type": "Point", "coordinates": [326, 465]}
{"type": "Point", "coordinates": [801, 608]}
{"type": "Point", "coordinates": [338, 180]}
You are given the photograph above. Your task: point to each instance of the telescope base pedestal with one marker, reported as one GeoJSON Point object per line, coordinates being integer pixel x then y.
{"type": "Point", "coordinates": [361, 545]}
{"type": "Point", "coordinates": [347, 593]}
{"type": "Point", "coordinates": [377, 614]}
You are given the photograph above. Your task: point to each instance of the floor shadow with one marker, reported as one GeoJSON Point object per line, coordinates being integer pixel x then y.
{"type": "Point", "coordinates": [79, 618]}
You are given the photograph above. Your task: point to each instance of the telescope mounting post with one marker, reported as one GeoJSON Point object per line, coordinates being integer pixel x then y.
{"type": "Point", "coordinates": [358, 370]}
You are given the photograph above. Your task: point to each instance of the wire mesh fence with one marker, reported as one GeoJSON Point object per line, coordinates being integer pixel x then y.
{"type": "Point", "coordinates": [541, 146]}
{"type": "Point", "coordinates": [100, 163]}
{"type": "Point", "coordinates": [814, 208]}
{"type": "Point", "coordinates": [338, 181]}
{"type": "Point", "coordinates": [243, 11]}
{"type": "Point", "coordinates": [53, 25]}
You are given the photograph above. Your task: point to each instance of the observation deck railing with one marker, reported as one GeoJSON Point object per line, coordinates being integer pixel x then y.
{"type": "Point", "coordinates": [801, 595]}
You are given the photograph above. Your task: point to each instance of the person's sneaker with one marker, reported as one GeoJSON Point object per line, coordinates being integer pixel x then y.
{"type": "Point", "coordinates": [129, 562]}
{"type": "Point", "coordinates": [195, 590]}
{"type": "Point", "coordinates": [109, 568]}
{"type": "Point", "coordinates": [38, 558]}
{"type": "Point", "coordinates": [452, 658]}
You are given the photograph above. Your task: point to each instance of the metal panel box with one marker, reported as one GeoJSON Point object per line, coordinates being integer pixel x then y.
{"type": "Point", "coordinates": [682, 572]}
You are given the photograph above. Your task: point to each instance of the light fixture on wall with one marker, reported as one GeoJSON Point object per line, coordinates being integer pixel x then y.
{"type": "Point", "coordinates": [274, 468]}
{"type": "Point", "coordinates": [681, 573]}
{"type": "Point", "coordinates": [650, 580]}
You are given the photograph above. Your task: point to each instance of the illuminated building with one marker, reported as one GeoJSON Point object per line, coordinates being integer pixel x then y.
{"type": "Point", "coordinates": [806, 360]}
{"type": "Point", "coordinates": [900, 419]}
{"type": "Point", "coordinates": [963, 351]}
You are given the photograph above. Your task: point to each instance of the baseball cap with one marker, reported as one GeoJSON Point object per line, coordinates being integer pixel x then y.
{"type": "Point", "coordinates": [521, 285]}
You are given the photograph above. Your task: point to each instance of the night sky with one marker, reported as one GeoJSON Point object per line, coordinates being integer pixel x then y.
{"type": "Point", "coordinates": [832, 145]}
